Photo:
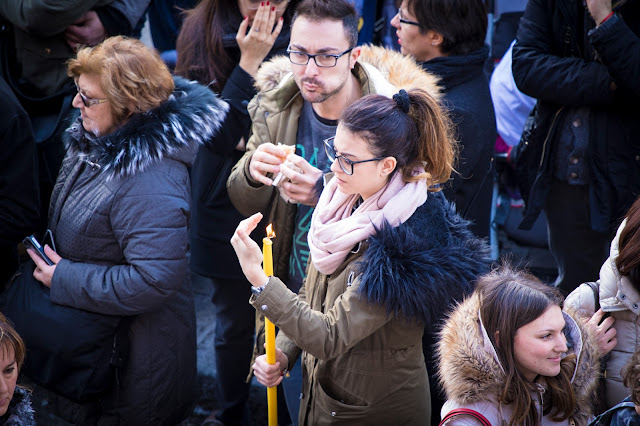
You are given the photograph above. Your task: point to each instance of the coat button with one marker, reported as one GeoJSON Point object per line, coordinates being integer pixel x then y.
{"type": "Point", "coordinates": [573, 176]}
{"type": "Point", "coordinates": [301, 395]}
{"type": "Point", "coordinates": [333, 413]}
{"type": "Point", "coordinates": [635, 306]}
{"type": "Point", "coordinates": [573, 160]}
{"type": "Point", "coordinates": [263, 307]}
{"type": "Point", "coordinates": [622, 296]}
{"type": "Point", "coordinates": [577, 122]}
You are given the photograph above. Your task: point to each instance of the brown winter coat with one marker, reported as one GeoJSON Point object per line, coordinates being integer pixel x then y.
{"type": "Point", "coordinates": [360, 329]}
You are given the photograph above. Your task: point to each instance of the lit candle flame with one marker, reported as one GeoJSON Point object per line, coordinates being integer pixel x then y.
{"type": "Point", "coordinates": [270, 232]}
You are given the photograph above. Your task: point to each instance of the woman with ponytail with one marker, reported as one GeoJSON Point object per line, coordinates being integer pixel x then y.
{"type": "Point", "coordinates": [388, 255]}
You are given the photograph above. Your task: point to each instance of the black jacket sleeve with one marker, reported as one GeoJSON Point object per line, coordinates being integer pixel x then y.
{"type": "Point", "coordinates": [619, 49]}
{"type": "Point", "coordinates": [540, 70]}
{"type": "Point", "coordinates": [19, 196]}
{"type": "Point", "coordinates": [237, 92]}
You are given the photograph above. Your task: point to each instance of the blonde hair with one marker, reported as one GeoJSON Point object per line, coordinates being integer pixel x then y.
{"type": "Point", "coordinates": [132, 75]}
{"type": "Point", "coordinates": [9, 338]}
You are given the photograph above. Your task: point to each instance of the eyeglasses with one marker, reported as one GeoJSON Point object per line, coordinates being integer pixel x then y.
{"type": "Point", "coordinates": [90, 101]}
{"type": "Point", "coordinates": [404, 21]}
{"type": "Point", "coordinates": [322, 60]}
{"type": "Point", "coordinates": [345, 164]}
{"type": "Point", "coordinates": [255, 4]}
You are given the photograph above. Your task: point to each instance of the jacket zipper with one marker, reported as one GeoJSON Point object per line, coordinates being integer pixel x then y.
{"type": "Point", "coordinates": [546, 139]}
{"type": "Point", "coordinates": [350, 278]}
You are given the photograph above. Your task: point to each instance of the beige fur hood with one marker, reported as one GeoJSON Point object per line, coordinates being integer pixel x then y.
{"type": "Point", "coordinates": [386, 67]}
{"type": "Point", "coordinates": [471, 373]}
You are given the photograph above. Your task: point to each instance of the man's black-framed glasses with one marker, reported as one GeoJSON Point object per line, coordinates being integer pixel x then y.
{"type": "Point", "coordinates": [89, 101]}
{"type": "Point", "coordinates": [345, 164]}
{"type": "Point", "coordinates": [404, 21]}
{"type": "Point", "coordinates": [322, 60]}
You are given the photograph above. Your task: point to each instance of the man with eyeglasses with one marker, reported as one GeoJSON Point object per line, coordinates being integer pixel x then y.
{"type": "Point", "coordinates": [299, 103]}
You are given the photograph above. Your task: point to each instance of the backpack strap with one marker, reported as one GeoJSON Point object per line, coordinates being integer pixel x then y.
{"type": "Point", "coordinates": [596, 294]}
{"type": "Point", "coordinates": [465, 412]}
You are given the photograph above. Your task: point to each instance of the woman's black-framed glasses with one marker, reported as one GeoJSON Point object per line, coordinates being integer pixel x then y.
{"type": "Point", "coordinates": [89, 101]}
{"type": "Point", "coordinates": [345, 164]}
{"type": "Point", "coordinates": [322, 60]}
{"type": "Point", "coordinates": [404, 21]}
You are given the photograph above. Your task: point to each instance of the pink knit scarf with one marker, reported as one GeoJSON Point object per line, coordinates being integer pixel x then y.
{"type": "Point", "coordinates": [336, 228]}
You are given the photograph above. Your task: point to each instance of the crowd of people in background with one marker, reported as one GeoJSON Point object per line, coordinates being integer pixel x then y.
{"type": "Point", "coordinates": [139, 168]}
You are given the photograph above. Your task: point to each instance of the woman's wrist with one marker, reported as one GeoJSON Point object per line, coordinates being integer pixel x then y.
{"type": "Point", "coordinates": [258, 279]}
{"type": "Point", "coordinates": [249, 66]}
{"type": "Point", "coordinates": [603, 20]}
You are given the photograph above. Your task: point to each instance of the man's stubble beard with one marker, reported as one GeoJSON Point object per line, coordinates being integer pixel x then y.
{"type": "Point", "coordinates": [318, 98]}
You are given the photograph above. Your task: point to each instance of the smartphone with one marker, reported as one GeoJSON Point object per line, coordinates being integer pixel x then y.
{"type": "Point", "coordinates": [32, 243]}
{"type": "Point", "coordinates": [604, 317]}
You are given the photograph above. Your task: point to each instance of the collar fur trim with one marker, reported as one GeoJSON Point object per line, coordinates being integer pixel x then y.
{"type": "Point", "coordinates": [20, 412]}
{"type": "Point", "coordinates": [190, 117]}
{"type": "Point", "coordinates": [420, 268]}
{"type": "Point", "coordinates": [469, 373]}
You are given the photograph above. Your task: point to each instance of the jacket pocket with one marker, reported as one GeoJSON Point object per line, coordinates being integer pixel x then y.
{"type": "Point", "coordinates": [344, 406]}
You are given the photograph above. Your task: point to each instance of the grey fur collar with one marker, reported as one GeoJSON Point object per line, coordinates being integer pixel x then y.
{"type": "Point", "coordinates": [189, 118]}
{"type": "Point", "coordinates": [19, 412]}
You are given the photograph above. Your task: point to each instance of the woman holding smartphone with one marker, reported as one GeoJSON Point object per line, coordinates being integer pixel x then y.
{"type": "Point", "coordinates": [222, 43]}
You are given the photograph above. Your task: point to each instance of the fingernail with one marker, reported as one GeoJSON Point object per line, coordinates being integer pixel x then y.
{"type": "Point", "coordinates": [281, 18]}
{"type": "Point", "coordinates": [273, 8]}
{"type": "Point", "coordinates": [262, 4]}
{"type": "Point", "coordinates": [246, 17]}
{"type": "Point", "coordinates": [268, 3]}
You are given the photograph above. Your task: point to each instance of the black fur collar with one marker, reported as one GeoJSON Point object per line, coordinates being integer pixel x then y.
{"type": "Point", "coordinates": [419, 268]}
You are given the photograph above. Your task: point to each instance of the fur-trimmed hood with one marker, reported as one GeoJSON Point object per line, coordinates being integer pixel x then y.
{"type": "Point", "coordinates": [20, 412]}
{"type": "Point", "coordinates": [383, 65]}
{"type": "Point", "coordinates": [470, 372]}
{"type": "Point", "coordinates": [420, 267]}
{"type": "Point", "coordinates": [189, 118]}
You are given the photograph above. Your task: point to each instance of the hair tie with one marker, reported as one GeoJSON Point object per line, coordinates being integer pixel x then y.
{"type": "Point", "coordinates": [402, 99]}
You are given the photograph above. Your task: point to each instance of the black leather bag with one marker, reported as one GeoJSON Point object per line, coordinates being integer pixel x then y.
{"type": "Point", "coordinates": [525, 157]}
{"type": "Point", "coordinates": [72, 352]}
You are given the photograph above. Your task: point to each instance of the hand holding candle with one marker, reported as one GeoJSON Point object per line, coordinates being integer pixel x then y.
{"type": "Point", "coordinates": [250, 258]}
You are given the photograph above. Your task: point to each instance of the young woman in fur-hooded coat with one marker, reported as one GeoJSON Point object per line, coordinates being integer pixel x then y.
{"type": "Point", "coordinates": [119, 215]}
{"type": "Point", "coordinates": [510, 353]}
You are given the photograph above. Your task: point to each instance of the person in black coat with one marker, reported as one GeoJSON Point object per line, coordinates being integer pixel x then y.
{"type": "Point", "coordinates": [19, 195]}
{"type": "Point", "coordinates": [447, 38]}
{"type": "Point", "coordinates": [217, 47]}
{"type": "Point", "coordinates": [581, 164]}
